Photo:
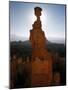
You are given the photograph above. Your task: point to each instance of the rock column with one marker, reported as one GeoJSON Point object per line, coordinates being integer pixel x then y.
{"type": "Point", "coordinates": [41, 58]}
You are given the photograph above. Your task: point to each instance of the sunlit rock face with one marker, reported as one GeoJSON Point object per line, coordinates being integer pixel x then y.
{"type": "Point", "coordinates": [41, 58]}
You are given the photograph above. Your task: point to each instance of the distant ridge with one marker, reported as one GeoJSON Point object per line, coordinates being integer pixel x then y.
{"type": "Point", "coordinates": [27, 42]}
{"type": "Point", "coordinates": [25, 47]}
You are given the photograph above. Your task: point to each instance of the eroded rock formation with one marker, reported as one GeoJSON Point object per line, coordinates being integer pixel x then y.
{"type": "Point", "coordinates": [41, 58]}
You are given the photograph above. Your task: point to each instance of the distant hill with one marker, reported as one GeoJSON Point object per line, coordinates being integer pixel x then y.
{"type": "Point", "coordinates": [25, 43]}
{"type": "Point", "coordinates": [24, 48]}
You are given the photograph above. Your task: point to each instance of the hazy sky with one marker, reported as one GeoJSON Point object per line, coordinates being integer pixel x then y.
{"type": "Point", "coordinates": [22, 17]}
